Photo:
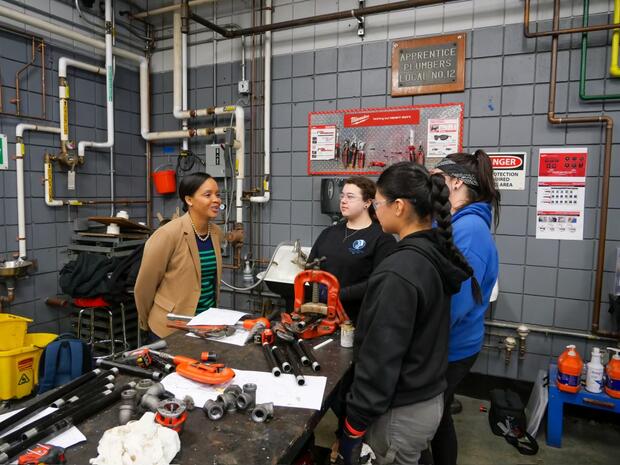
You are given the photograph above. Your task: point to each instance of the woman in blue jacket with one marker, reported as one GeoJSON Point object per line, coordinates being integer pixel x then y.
{"type": "Point", "coordinates": [474, 199]}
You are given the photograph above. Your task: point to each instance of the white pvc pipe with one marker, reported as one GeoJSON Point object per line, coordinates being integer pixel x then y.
{"type": "Point", "coordinates": [19, 171]}
{"type": "Point", "coordinates": [184, 65]}
{"type": "Point", "coordinates": [267, 115]}
{"type": "Point", "coordinates": [63, 92]}
{"type": "Point", "coordinates": [109, 85]}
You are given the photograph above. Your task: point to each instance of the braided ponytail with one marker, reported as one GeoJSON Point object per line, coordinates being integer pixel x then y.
{"type": "Point", "coordinates": [440, 202]}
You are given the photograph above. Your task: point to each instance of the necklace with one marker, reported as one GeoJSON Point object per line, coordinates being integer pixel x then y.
{"type": "Point", "coordinates": [201, 238]}
{"type": "Point", "coordinates": [346, 236]}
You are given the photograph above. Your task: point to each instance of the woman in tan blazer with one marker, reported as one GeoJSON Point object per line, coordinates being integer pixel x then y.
{"type": "Point", "coordinates": [182, 263]}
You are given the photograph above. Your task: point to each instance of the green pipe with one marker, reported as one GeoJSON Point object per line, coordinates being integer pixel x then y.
{"type": "Point", "coordinates": [584, 62]}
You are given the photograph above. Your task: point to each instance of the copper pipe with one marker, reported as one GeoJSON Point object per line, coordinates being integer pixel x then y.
{"type": "Point", "coordinates": [557, 31]}
{"type": "Point", "coordinates": [17, 99]}
{"type": "Point", "coordinates": [301, 22]}
{"type": "Point", "coordinates": [8, 298]}
{"type": "Point", "coordinates": [56, 302]}
{"type": "Point", "coordinates": [608, 123]}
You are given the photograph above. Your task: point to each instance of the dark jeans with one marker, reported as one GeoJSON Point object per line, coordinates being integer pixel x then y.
{"type": "Point", "coordinates": [444, 445]}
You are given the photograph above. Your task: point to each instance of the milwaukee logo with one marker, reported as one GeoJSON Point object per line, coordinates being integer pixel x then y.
{"type": "Point", "coordinates": [506, 161]}
{"type": "Point", "coordinates": [359, 119]}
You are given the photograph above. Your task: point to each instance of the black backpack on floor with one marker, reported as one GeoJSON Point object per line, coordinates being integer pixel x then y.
{"type": "Point", "coordinates": [507, 419]}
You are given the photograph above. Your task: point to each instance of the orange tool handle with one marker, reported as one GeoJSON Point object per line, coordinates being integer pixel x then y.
{"type": "Point", "coordinates": [182, 360]}
{"type": "Point", "coordinates": [206, 374]}
{"type": "Point", "coordinates": [249, 324]}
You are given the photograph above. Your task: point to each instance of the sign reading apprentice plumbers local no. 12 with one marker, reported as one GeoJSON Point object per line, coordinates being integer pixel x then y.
{"type": "Point", "coordinates": [509, 170]}
{"type": "Point", "coordinates": [431, 65]}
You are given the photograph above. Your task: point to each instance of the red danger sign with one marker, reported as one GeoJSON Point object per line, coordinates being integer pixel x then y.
{"type": "Point", "coordinates": [506, 161]}
{"type": "Point", "coordinates": [509, 170]}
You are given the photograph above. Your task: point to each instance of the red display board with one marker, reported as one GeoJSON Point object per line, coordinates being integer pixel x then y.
{"type": "Point", "coordinates": [366, 141]}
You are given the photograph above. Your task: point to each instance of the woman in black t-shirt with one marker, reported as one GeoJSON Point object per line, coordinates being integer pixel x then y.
{"type": "Point", "coordinates": [354, 247]}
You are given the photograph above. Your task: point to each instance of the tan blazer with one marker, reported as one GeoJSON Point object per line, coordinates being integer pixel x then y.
{"type": "Point", "coordinates": [169, 276]}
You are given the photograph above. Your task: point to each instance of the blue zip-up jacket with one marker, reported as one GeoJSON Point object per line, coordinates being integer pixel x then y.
{"type": "Point", "coordinates": [471, 228]}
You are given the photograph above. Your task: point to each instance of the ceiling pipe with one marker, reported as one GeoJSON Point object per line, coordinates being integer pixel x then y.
{"type": "Point", "coordinates": [167, 9]}
{"type": "Point", "coordinates": [184, 66]}
{"type": "Point", "coordinates": [608, 124]}
{"type": "Point", "coordinates": [302, 22]}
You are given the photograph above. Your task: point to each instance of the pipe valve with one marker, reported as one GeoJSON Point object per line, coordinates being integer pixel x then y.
{"type": "Point", "coordinates": [509, 344]}
{"type": "Point", "coordinates": [522, 332]}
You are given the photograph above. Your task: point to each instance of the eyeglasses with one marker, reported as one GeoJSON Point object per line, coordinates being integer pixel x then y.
{"type": "Point", "coordinates": [378, 203]}
{"type": "Point", "coordinates": [349, 197]}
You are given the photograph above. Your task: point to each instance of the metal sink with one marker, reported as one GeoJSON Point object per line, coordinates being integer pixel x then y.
{"type": "Point", "coordinates": [14, 268]}
{"type": "Point", "coordinates": [281, 276]}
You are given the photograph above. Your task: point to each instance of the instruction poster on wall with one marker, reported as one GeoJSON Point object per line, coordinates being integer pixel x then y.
{"type": "Point", "coordinates": [323, 142]}
{"type": "Point", "coordinates": [4, 155]}
{"type": "Point", "coordinates": [561, 193]}
{"type": "Point", "coordinates": [443, 137]}
{"type": "Point", "coordinates": [509, 169]}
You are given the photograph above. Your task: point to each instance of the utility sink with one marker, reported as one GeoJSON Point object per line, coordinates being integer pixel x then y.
{"type": "Point", "coordinates": [14, 268]}
{"type": "Point", "coordinates": [281, 276]}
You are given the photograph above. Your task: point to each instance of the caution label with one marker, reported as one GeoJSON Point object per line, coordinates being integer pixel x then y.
{"type": "Point", "coordinates": [509, 169]}
{"type": "Point", "coordinates": [24, 379]}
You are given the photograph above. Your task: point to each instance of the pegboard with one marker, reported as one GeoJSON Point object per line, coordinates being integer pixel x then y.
{"type": "Point", "coordinates": [389, 135]}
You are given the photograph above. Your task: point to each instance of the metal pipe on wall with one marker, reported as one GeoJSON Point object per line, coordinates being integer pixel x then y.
{"type": "Point", "coordinates": [167, 9]}
{"type": "Point", "coordinates": [336, 16]}
{"type": "Point", "coordinates": [547, 330]}
{"type": "Point", "coordinates": [608, 124]}
{"type": "Point", "coordinates": [556, 31]}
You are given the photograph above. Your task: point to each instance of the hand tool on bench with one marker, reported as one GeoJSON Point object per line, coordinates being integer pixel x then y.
{"type": "Point", "coordinates": [214, 373]}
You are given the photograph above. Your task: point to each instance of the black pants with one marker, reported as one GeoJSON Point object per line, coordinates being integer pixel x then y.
{"type": "Point", "coordinates": [444, 445]}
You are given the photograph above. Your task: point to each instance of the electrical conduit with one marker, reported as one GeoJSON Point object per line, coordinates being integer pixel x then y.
{"type": "Point", "coordinates": [267, 103]}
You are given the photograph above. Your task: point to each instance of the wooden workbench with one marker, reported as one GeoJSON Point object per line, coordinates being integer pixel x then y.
{"type": "Point", "coordinates": [235, 439]}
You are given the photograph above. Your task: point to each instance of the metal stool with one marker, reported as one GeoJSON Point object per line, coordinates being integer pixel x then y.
{"type": "Point", "coordinates": [99, 304]}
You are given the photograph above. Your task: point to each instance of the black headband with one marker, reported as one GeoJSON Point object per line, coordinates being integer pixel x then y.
{"type": "Point", "coordinates": [451, 168]}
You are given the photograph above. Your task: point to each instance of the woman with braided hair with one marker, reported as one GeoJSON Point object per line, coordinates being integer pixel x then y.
{"type": "Point", "coordinates": [400, 352]}
{"type": "Point", "coordinates": [474, 199]}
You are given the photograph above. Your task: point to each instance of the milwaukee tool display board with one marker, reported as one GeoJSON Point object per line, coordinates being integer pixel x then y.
{"type": "Point", "coordinates": [366, 141]}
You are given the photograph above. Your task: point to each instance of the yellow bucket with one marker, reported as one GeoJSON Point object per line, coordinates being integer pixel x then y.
{"type": "Point", "coordinates": [20, 367]}
{"type": "Point", "coordinates": [12, 331]}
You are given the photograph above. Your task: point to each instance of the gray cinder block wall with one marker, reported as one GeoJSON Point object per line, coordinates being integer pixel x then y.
{"type": "Point", "coordinates": [49, 229]}
{"type": "Point", "coordinates": [541, 281]}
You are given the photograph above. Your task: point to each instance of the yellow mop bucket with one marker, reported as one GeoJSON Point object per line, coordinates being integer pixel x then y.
{"type": "Point", "coordinates": [12, 331]}
{"type": "Point", "coordinates": [20, 367]}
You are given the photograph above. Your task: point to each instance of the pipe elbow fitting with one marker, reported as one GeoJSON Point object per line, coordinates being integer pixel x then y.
{"type": "Point", "coordinates": [213, 409]}
{"type": "Point", "coordinates": [262, 413]}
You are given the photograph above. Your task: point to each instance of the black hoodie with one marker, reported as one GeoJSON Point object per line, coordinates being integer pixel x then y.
{"type": "Point", "coordinates": [401, 340]}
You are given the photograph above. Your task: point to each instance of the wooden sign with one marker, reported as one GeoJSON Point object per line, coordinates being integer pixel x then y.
{"type": "Point", "coordinates": [431, 65]}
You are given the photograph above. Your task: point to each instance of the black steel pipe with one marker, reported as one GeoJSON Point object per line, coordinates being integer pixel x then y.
{"type": "Point", "coordinates": [77, 418]}
{"type": "Point", "coordinates": [314, 364]}
{"type": "Point", "coordinates": [280, 357]}
{"type": "Point", "coordinates": [134, 371]}
{"type": "Point", "coordinates": [46, 400]}
{"type": "Point", "coordinates": [64, 411]}
{"type": "Point", "coordinates": [296, 368]}
{"type": "Point", "coordinates": [271, 361]}
{"type": "Point", "coordinates": [301, 22]}
{"type": "Point", "coordinates": [301, 355]}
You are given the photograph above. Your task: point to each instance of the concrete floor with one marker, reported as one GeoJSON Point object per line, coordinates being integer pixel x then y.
{"type": "Point", "coordinates": [585, 442]}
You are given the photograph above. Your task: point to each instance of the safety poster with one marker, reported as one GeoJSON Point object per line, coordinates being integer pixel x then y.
{"type": "Point", "coordinates": [560, 198]}
{"type": "Point", "coordinates": [509, 170]}
{"type": "Point", "coordinates": [366, 141]}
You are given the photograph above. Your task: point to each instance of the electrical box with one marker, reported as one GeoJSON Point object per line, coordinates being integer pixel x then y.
{"type": "Point", "coordinates": [215, 161]}
{"type": "Point", "coordinates": [4, 153]}
{"type": "Point", "coordinates": [244, 87]}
